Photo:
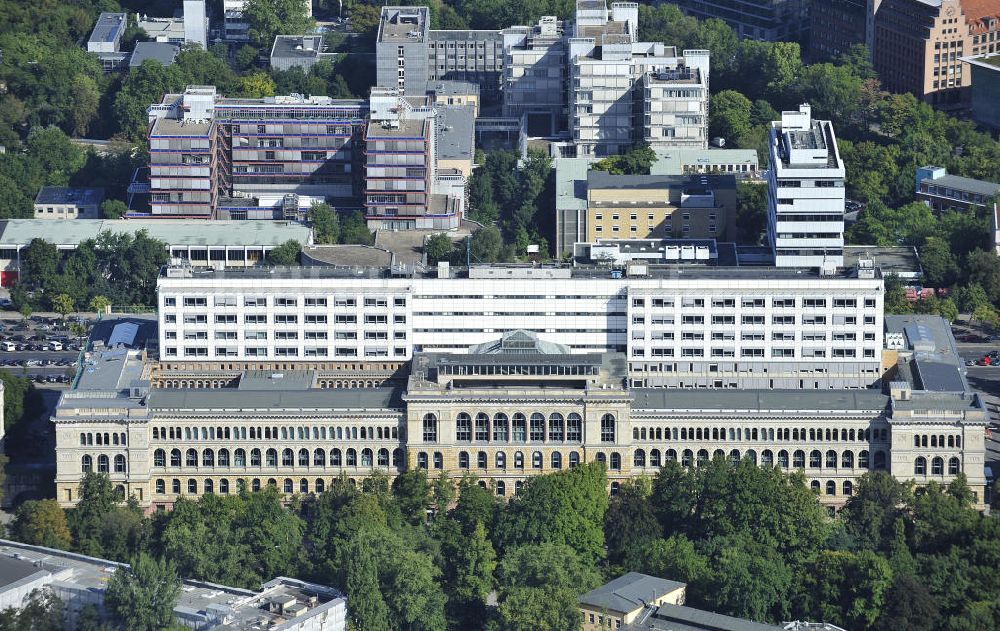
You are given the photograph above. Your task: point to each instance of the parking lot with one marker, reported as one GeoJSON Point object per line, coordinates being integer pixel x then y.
{"type": "Point", "coordinates": [44, 349]}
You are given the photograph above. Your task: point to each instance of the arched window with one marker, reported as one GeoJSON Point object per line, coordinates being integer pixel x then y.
{"type": "Point", "coordinates": [670, 455]}
{"type": "Point", "coordinates": [287, 486]}
{"type": "Point", "coordinates": [639, 458]}
{"type": "Point", "coordinates": [119, 463]}
{"type": "Point", "coordinates": [335, 457]}
{"type": "Point", "coordinates": [920, 466]}
{"type": "Point", "coordinates": [616, 461]}
{"type": "Point", "coordinates": [159, 458]}
{"type": "Point", "coordinates": [574, 459]}
{"type": "Point", "coordinates": [608, 428]}
{"type": "Point", "coordinates": [271, 457]}
{"type": "Point", "coordinates": [209, 486]}
{"type": "Point", "coordinates": [501, 488]}
{"type": "Point", "coordinates": [161, 487]}
{"type": "Point", "coordinates": [686, 457]}
{"type": "Point", "coordinates": [500, 428]}
{"type": "Point", "coordinates": [814, 485]}
{"type": "Point", "coordinates": [103, 464]}
{"type": "Point", "coordinates": [368, 457]}
{"type": "Point", "coordinates": [751, 455]}
{"type": "Point", "coordinates": [654, 458]}
{"type": "Point", "coordinates": [175, 486]}
{"type": "Point", "coordinates": [463, 427]}
{"type": "Point", "coordinates": [831, 487]}
{"type": "Point", "coordinates": [847, 460]}
{"type": "Point", "coordinates": [518, 460]}
{"type": "Point", "coordinates": [319, 458]}
{"type": "Point", "coordinates": [320, 485]}
{"type": "Point", "coordinates": [815, 459]}
{"type": "Point", "coordinates": [536, 460]}
{"type": "Point", "coordinates": [255, 485]}
{"type": "Point", "coordinates": [192, 487]}
{"type": "Point", "coordinates": [556, 459]}
{"type": "Point", "coordinates": [287, 457]}
{"type": "Point", "coordinates": [241, 485]}
{"type": "Point", "coordinates": [602, 458]}
{"type": "Point", "coordinates": [953, 466]}
{"type": "Point", "coordinates": [556, 432]}
{"type": "Point", "coordinates": [303, 458]}
{"type": "Point", "coordinates": [863, 459]}
{"type": "Point", "coordinates": [937, 466]}
{"type": "Point", "coordinates": [223, 457]}
{"type": "Point", "coordinates": [482, 427]}
{"type": "Point", "coordinates": [767, 458]}
{"type": "Point", "coordinates": [463, 460]}
{"type": "Point", "coordinates": [240, 457]}
{"type": "Point", "coordinates": [481, 459]}
{"type": "Point", "coordinates": [224, 486]}
{"type": "Point", "coordinates": [831, 459]}
{"type": "Point", "coordinates": [422, 460]}
{"type": "Point", "coordinates": [574, 431]}
{"type": "Point", "coordinates": [303, 486]}
{"type": "Point", "coordinates": [383, 457]}
{"type": "Point", "coordinates": [430, 428]}
{"type": "Point", "coordinates": [537, 428]}
{"type": "Point", "coordinates": [501, 460]}
{"type": "Point", "coordinates": [734, 457]}
{"type": "Point", "coordinates": [615, 487]}
{"type": "Point", "coordinates": [397, 457]}
{"type": "Point", "coordinates": [799, 459]}
{"type": "Point", "coordinates": [702, 456]}
{"type": "Point", "coordinates": [191, 458]}
{"type": "Point", "coordinates": [352, 457]}
{"type": "Point", "coordinates": [519, 428]}
{"type": "Point", "coordinates": [848, 488]}
{"type": "Point", "coordinates": [87, 464]}
{"type": "Point", "coordinates": [208, 458]}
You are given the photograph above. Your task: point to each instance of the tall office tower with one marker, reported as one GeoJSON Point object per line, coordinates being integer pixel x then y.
{"type": "Point", "coordinates": [770, 20]}
{"type": "Point", "coordinates": [918, 45]}
{"type": "Point", "coordinates": [195, 23]}
{"type": "Point", "coordinates": [410, 56]}
{"type": "Point", "coordinates": [805, 213]}
{"type": "Point", "coordinates": [534, 83]}
{"type": "Point", "coordinates": [247, 155]}
{"type": "Point", "coordinates": [621, 91]}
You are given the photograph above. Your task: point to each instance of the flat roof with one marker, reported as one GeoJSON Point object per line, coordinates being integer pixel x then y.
{"type": "Point", "coordinates": [161, 52]}
{"type": "Point", "coordinates": [571, 183]}
{"type": "Point", "coordinates": [965, 184]}
{"type": "Point", "coordinates": [759, 400]}
{"type": "Point", "coordinates": [672, 161]}
{"type": "Point", "coordinates": [445, 87]}
{"type": "Point", "coordinates": [403, 24]}
{"type": "Point", "coordinates": [165, 126]}
{"type": "Point", "coordinates": [897, 259]}
{"type": "Point", "coordinates": [681, 618]}
{"type": "Point", "coordinates": [349, 255]}
{"type": "Point", "coordinates": [20, 232]}
{"type": "Point", "coordinates": [456, 132]}
{"type": "Point", "coordinates": [297, 46]}
{"type": "Point", "coordinates": [304, 401]}
{"type": "Point", "coordinates": [108, 27]}
{"type": "Point", "coordinates": [604, 180]}
{"type": "Point", "coordinates": [407, 128]}
{"type": "Point", "coordinates": [69, 195]}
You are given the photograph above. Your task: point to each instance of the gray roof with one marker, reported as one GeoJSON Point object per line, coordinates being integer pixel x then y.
{"type": "Point", "coordinates": [629, 592]}
{"type": "Point", "coordinates": [108, 26]}
{"type": "Point", "coordinates": [679, 618]}
{"type": "Point", "coordinates": [447, 87]}
{"type": "Point", "coordinates": [297, 46]}
{"type": "Point", "coordinates": [456, 132]}
{"type": "Point", "coordinates": [965, 184]}
{"type": "Point", "coordinates": [277, 400]}
{"type": "Point", "coordinates": [938, 376]}
{"type": "Point", "coordinates": [20, 232]}
{"type": "Point", "coordinates": [161, 52]}
{"type": "Point", "coordinates": [69, 195]}
{"type": "Point", "coordinates": [276, 380]}
{"type": "Point", "coordinates": [601, 179]}
{"type": "Point", "coordinates": [519, 343]}
{"type": "Point", "coordinates": [936, 364]}
{"type": "Point", "coordinates": [14, 570]}
{"type": "Point", "coordinates": [672, 161]}
{"type": "Point", "coordinates": [758, 400]}
{"type": "Point", "coordinates": [901, 260]}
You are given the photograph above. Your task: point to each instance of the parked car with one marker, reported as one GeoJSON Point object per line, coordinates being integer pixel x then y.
{"type": "Point", "coordinates": [985, 361]}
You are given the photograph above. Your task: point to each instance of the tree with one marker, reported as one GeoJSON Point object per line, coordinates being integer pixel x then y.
{"type": "Point", "coordinates": [437, 247]}
{"type": "Point", "coordinates": [908, 605]}
{"type": "Point", "coordinates": [630, 525]}
{"type": "Point", "coordinates": [142, 597]}
{"type": "Point", "coordinates": [365, 20]}
{"type": "Point", "coordinates": [635, 161]}
{"type": "Point", "coordinates": [63, 305]}
{"type": "Point", "coordinates": [97, 499]}
{"type": "Point", "coordinates": [729, 115]}
{"type": "Point", "coordinates": [677, 558]}
{"type": "Point", "coordinates": [257, 85]}
{"type": "Point", "coordinates": [42, 523]}
{"type": "Point", "coordinates": [539, 586]}
{"type": "Point", "coordinates": [326, 226]}
{"type": "Point", "coordinates": [285, 254]}
{"type": "Point", "coordinates": [845, 588]}
{"type": "Point", "coordinates": [354, 229]}
{"type": "Point", "coordinates": [246, 57]}
{"type": "Point", "coordinates": [39, 264]}
{"type": "Point", "coordinates": [99, 304]}
{"type": "Point", "coordinates": [474, 564]}
{"type": "Point", "coordinates": [267, 18]}
{"type": "Point", "coordinates": [368, 608]}
{"type": "Point", "coordinates": [113, 209]}
{"type": "Point", "coordinates": [871, 513]}
{"type": "Point", "coordinates": [485, 245]}
{"type": "Point", "coordinates": [751, 212]}
{"type": "Point", "coordinates": [746, 580]}
{"type": "Point", "coordinates": [412, 492]}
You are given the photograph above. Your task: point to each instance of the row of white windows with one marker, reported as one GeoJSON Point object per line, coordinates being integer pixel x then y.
{"type": "Point", "coordinates": [269, 458]}
{"type": "Point", "coordinates": [275, 433]}
{"type": "Point", "coordinates": [764, 434]}
{"type": "Point", "coordinates": [520, 430]}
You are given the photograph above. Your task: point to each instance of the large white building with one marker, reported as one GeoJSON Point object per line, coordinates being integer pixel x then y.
{"type": "Point", "coordinates": [680, 326]}
{"type": "Point", "coordinates": [805, 192]}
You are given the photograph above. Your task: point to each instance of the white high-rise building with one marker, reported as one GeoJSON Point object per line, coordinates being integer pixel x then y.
{"type": "Point", "coordinates": [195, 23]}
{"type": "Point", "coordinates": [805, 225]}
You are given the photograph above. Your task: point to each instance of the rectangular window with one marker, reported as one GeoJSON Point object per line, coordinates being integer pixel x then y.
{"type": "Point", "coordinates": [255, 319]}
{"type": "Point", "coordinates": [196, 302]}
{"type": "Point", "coordinates": [315, 302]}
{"type": "Point", "coordinates": [343, 302]}
{"type": "Point", "coordinates": [255, 301]}
{"type": "Point", "coordinates": [345, 319]}
{"type": "Point", "coordinates": [226, 319]}
{"type": "Point", "coordinates": [345, 335]}
{"type": "Point", "coordinates": [225, 301]}
{"type": "Point", "coordinates": [286, 319]}
{"type": "Point", "coordinates": [315, 319]}
{"type": "Point", "coordinates": [285, 302]}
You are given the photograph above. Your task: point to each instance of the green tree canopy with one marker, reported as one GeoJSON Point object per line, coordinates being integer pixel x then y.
{"type": "Point", "coordinates": [142, 597]}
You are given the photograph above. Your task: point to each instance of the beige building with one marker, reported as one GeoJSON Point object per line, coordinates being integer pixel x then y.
{"type": "Point", "coordinates": [918, 45]}
{"type": "Point", "coordinates": [61, 202]}
{"type": "Point", "coordinates": [658, 206]}
{"type": "Point", "coordinates": [622, 600]}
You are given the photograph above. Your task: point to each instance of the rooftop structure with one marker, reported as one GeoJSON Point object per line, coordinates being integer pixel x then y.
{"type": "Point", "coordinates": [163, 30]}
{"type": "Point", "coordinates": [107, 34]}
{"type": "Point", "coordinates": [741, 163]}
{"type": "Point", "coordinates": [943, 192]}
{"type": "Point", "coordinates": [806, 192]}
{"type": "Point", "coordinates": [900, 260]}
{"type": "Point", "coordinates": [304, 51]}
{"type": "Point", "coordinates": [282, 604]}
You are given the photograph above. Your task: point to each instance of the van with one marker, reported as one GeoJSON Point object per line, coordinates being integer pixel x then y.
{"type": "Point", "coordinates": [55, 346]}
{"type": "Point", "coordinates": [8, 346]}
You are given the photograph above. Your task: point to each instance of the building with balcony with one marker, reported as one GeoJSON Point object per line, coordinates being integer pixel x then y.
{"type": "Point", "coordinates": [805, 192]}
